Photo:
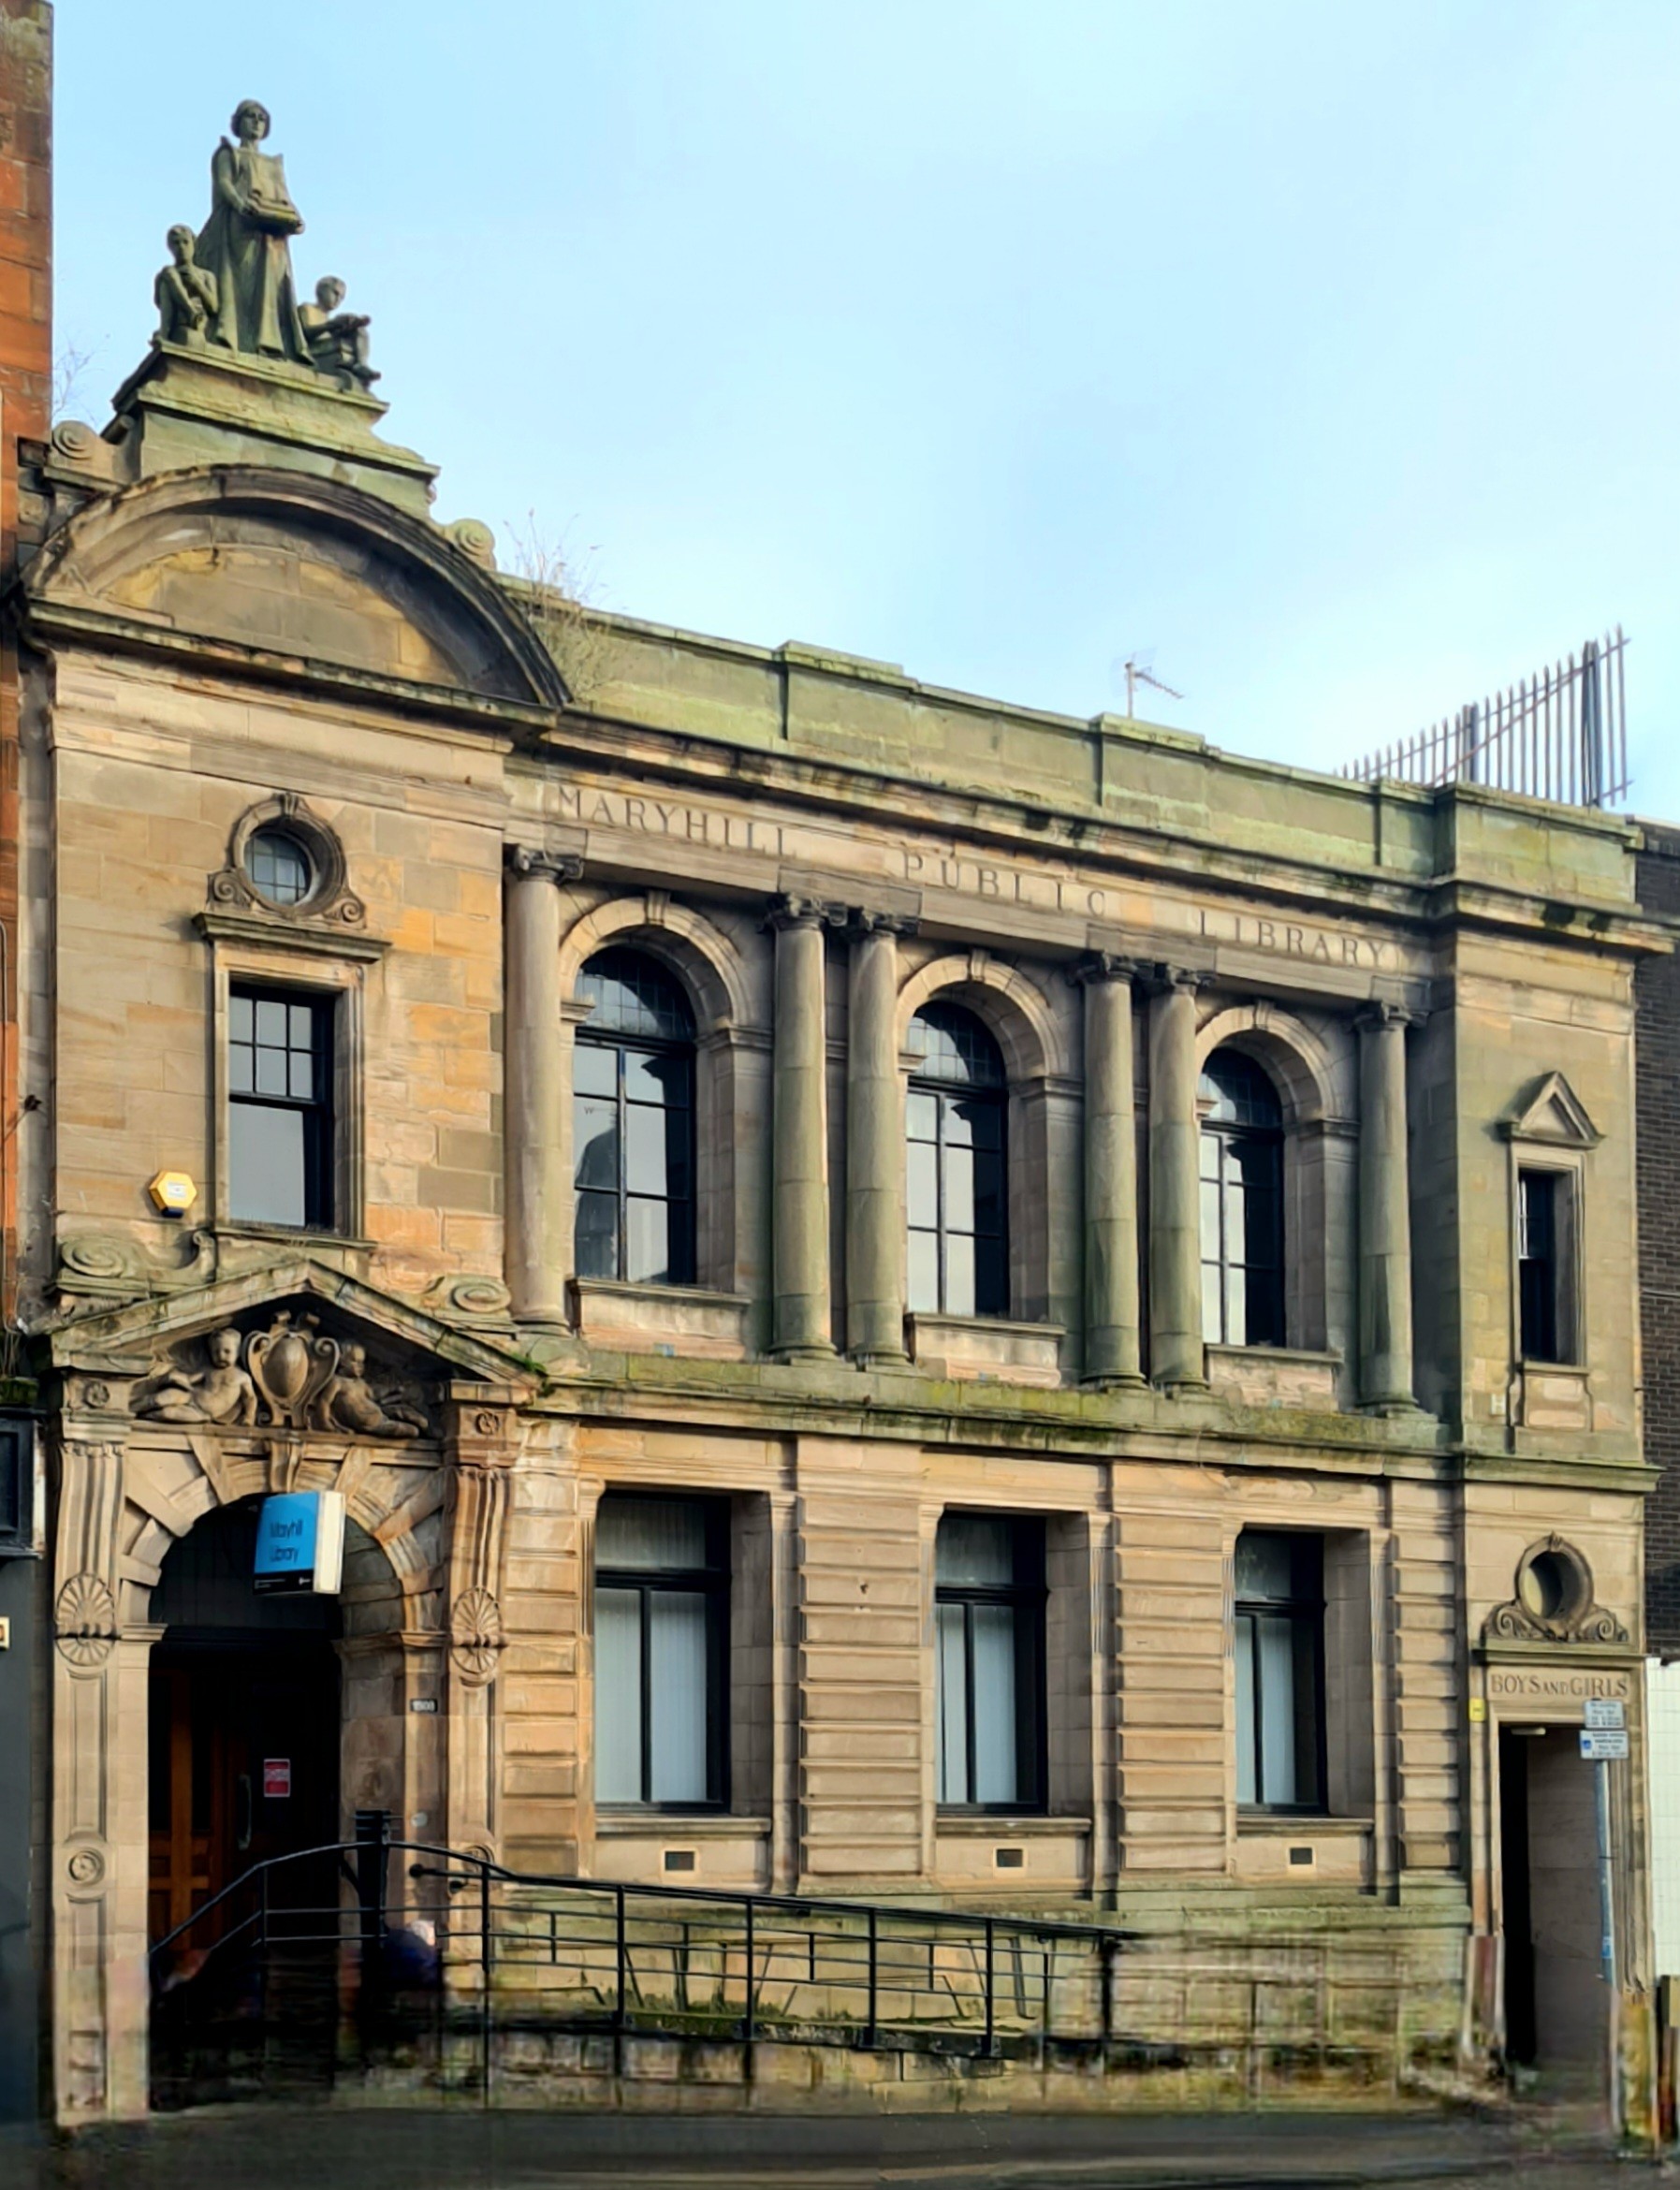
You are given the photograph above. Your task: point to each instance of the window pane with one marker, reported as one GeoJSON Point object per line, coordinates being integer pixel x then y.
{"type": "Point", "coordinates": [594, 1070]}
{"type": "Point", "coordinates": [1213, 1304]}
{"type": "Point", "coordinates": [1248, 1785]}
{"type": "Point", "coordinates": [921, 1185]}
{"type": "Point", "coordinates": [241, 1018]}
{"type": "Point", "coordinates": [923, 1272]}
{"type": "Point", "coordinates": [241, 1068]}
{"type": "Point", "coordinates": [270, 1021]}
{"type": "Point", "coordinates": [633, 995]}
{"type": "Point", "coordinates": [1276, 1634]}
{"type": "Point", "coordinates": [953, 1706]}
{"type": "Point", "coordinates": [647, 1242]}
{"type": "Point", "coordinates": [957, 1124]}
{"type": "Point", "coordinates": [652, 1536]}
{"type": "Point", "coordinates": [618, 1696]}
{"type": "Point", "coordinates": [959, 1190]}
{"type": "Point", "coordinates": [270, 1072]}
{"type": "Point", "coordinates": [1265, 1565]}
{"type": "Point", "coordinates": [677, 1644]}
{"type": "Point", "coordinates": [1212, 1234]}
{"type": "Point", "coordinates": [644, 1149]}
{"type": "Point", "coordinates": [975, 1551]}
{"type": "Point", "coordinates": [660, 1079]}
{"type": "Point", "coordinates": [921, 1116]}
{"type": "Point", "coordinates": [988, 1195]}
{"type": "Point", "coordinates": [997, 1777]}
{"type": "Point", "coordinates": [991, 1278]}
{"type": "Point", "coordinates": [596, 1133]}
{"type": "Point", "coordinates": [985, 1123]}
{"type": "Point", "coordinates": [1236, 1306]}
{"type": "Point", "coordinates": [959, 1274]}
{"type": "Point", "coordinates": [302, 1077]}
{"type": "Point", "coordinates": [597, 1236]}
{"type": "Point", "coordinates": [266, 1159]}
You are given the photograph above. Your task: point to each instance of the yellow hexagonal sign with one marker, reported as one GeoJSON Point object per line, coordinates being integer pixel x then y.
{"type": "Point", "coordinates": [173, 1192]}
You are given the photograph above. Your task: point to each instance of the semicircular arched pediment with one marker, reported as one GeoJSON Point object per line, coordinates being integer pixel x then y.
{"type": "Point", "coordinates": [285, 566]}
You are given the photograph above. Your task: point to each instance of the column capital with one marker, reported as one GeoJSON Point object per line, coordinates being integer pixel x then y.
{"type": "Point", "coordinates": [1163, 979]}
{"type": "Point", "coordinates": [792, 909]}
{"type": "Point", "coordinates": [863, 920]}
{"type": "Point", "coordinates": [1382, 1012]}
{"type": "Point", "coordinates": [1096, 966]}
{"type": "Point", "coordinates": [529, 862]}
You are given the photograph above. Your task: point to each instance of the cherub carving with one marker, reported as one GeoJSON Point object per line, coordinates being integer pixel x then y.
{"type": "Point", "coordinates": [221, 1392]}
{"type": "Point", "coordinates": [348, 1402]}
{"type": "Point", "coordinates": [187, 294]}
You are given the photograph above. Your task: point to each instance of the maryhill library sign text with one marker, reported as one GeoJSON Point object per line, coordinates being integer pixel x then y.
{"type": "Point", "coordinates": [991, 882]}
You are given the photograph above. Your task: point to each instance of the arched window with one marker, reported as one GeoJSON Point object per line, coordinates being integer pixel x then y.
{"type": "Point", "coordinates": [1242, 1202]}
{"type": "Point", "coordinates": [957, 1196]}
{"type": "Point", "coordinates": [634, 1096]}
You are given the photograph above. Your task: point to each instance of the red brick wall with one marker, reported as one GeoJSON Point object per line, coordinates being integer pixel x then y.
{"type": "Point", "coordinates": [26, 403]}
{"type": "Point", "coordinates": [1656, 996]}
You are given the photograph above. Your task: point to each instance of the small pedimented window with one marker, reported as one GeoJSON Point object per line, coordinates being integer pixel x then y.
{"type": "Point", "coordinates": [1551, 1111]}
{"type": "Point", "coordinates": [284, 861]}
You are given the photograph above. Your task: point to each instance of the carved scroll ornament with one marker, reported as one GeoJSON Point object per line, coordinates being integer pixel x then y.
{"type": "Point", "coordinates": [288, 1377]}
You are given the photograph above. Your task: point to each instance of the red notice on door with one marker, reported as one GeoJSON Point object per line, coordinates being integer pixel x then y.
{"type": "Point", "coordinates": [276, 1777]}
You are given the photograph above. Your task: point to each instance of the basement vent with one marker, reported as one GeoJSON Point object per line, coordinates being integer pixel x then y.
{"type": "Point", "coordinates": [1300, 1855]}
{"type": "Point", "coordinates": [1011, 1859]}
{"type": "Point", "coordinates": [680, 1859]}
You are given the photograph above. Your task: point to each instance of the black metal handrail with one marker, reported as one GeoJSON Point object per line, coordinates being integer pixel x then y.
{"type": "Point", "coordinates": [558, 1953]}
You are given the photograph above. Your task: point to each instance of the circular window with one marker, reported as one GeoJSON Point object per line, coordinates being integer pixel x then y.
{"type": "Point", "coordinates": [278, 866]}
{"type": "Point", "coordinates": [1547, 1587]}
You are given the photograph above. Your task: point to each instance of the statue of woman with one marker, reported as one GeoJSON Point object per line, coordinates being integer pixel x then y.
{"type": "Point", "coordinates": [245, 244]}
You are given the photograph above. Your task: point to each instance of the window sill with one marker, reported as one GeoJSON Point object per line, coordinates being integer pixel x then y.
{"type": "Point", "coordinates": [1005, 1825]}
{"type": "Point", "coordinates": [1298, 1824]}
{"type": "Point", "coordinates": [300, 1236]}
{"type": "Point", "coordinates": [660, 1319]}
{"type": "Point", "coordinates": [984, 1346]}
{"type": "Point", "coordinates": [1276, 1376]}
{"type": "Point", "coordinates": [678, 1825]}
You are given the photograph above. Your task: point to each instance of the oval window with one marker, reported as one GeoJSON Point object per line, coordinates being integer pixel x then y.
{"type": "Point", "coordinates": [278, 866]}
{"type": "Point", "coordinates": [1548, 1586]}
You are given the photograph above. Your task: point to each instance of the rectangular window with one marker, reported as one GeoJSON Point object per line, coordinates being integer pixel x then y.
{"type": "Point", "coordinates": [1545, 1256]}
{"type": "Point", "coordinates": [989, 1650]}
{"type": "Point", "coordinates": [1280, 1670]}
{"type": "Point", "coordinates": [662, 1611]}
{"type": "Point", "coordinates": [279, 1108]}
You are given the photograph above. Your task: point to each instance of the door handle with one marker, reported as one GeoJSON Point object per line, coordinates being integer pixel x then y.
{"type": "Point", "coordinates": [241, 1812]}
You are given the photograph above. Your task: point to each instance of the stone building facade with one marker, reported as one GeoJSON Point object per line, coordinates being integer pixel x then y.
{"type": "Point", "coordinates": [909, 1298]}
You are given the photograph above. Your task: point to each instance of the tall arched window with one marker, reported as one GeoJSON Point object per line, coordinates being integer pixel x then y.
{"type": "Point", "coordinates": [1242, 1202]}
{"type": "Point", "coordinates": [633, 1097]}
{"type": "Point", "coordinates": [957, 1196]}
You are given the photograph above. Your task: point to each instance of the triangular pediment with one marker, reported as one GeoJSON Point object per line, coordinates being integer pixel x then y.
{"type": "Point", "coordinates": [310, 1293]}
{"type": "Point", "coordinates": [1551, 1111]}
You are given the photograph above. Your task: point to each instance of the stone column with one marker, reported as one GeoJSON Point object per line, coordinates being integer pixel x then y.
{"type": "Point", "coordinates": [539, 1254]}
{"type": "Point", "coordinates": [802, 1317]}
{"type": "Point", "coordinates": [1113, 1337]}
{"type": "Point", "coordinates": [1175, 1355]}
{"type": "Point", "coordinates": [874, 1143]}
{"type": "Point", "coordinates": [1384, 1212]}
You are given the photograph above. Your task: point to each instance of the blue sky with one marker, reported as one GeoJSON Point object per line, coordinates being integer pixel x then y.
{"type": "Point", "coordinates": [1330, 352]}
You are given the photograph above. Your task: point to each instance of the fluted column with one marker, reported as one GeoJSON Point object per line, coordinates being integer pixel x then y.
{"type": "Point", "coordinates": [1112, 1338]}
{"type": "Point", "coordinates": [1176, 1355]}
{"type": "Point", "coordinates": [1384, 1212]}
{"type": "Point", "coordinates": [535, 1137]}
{"type": "Point", "coordinates": [874, 1143]}
{"type": "Point", "coordinates": [801, 1321]}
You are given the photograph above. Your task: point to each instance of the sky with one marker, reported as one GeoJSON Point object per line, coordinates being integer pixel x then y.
{"type": "Point", "coordinates": [1321, 355]}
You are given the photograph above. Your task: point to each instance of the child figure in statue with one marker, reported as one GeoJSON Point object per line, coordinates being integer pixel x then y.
{"type": "Point", "coordinates": [338, 341]}
{"type": "Point", "coordinates": [185, 292]}
{"type": "Point", "coordinates": [221, 1392]}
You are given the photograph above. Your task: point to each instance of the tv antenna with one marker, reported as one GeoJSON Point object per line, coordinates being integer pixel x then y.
{"type": "Point", "coordinates": [1138, 671]}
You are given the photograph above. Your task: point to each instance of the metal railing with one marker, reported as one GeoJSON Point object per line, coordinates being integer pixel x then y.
{"type": "Point", "coordinates": [1561, 735]}
{"type": "Point", "coordinates": [470, 1949]}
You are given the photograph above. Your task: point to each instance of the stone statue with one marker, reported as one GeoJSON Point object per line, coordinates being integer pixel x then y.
{"type": "Point", "coordinates": [338, 341]}
{"type": "Point", "coordinates": [246, 245]}
{"type": "Point", "coordinates": [221, 1392]}
{"type": "Point", "coordinates": [187, 294]}
{"type": "Point", "coordinates": [347, 1402]}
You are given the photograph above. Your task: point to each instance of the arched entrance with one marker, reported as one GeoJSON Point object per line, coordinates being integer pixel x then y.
{"type": "Point", "coordinates": [244, 1720]}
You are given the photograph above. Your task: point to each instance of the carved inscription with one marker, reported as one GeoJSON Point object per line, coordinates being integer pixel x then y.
{"type": "Point", "coordinates": [1524, 1686]}
{"type": "Point", "coordinates": [992, 883]}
